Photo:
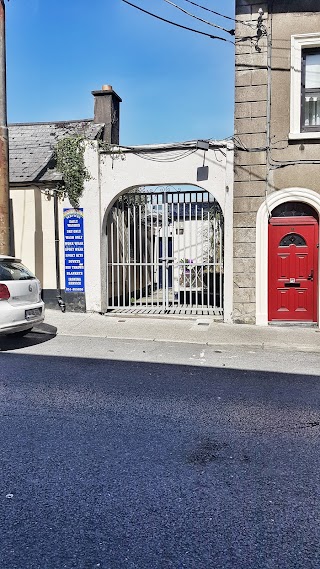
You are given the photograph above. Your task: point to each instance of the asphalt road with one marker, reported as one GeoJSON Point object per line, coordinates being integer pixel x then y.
{"type": "Point", "coordinates": [118, 454]}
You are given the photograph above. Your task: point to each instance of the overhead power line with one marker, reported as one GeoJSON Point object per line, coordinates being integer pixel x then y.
{"type": "Point", "coordinates": [231, 32]}
{"type": "Point", "coordinates": [177, 25]}
{"type": "Point", "coordinates": [218, 14]}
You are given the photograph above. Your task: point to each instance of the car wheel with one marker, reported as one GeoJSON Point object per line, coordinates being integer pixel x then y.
{"type": "Point", "coordinates": [20, 334]}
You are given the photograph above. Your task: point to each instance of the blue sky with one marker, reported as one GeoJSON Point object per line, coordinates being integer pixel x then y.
{"type": "Point", "coordinates": [175, 85]}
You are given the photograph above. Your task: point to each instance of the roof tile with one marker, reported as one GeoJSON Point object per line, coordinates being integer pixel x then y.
{"type": "Point", "coordinates": [31, 147]}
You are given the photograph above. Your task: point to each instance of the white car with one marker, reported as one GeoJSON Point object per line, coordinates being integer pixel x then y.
{"type": "Point", "coordinates": [21, 306]}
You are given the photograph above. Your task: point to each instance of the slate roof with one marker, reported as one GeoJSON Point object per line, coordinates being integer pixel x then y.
{"type": "Point", "coordinates": [31, 147]}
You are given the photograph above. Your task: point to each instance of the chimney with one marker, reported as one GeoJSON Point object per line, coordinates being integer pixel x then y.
{"type": "Point", "coordinates": [107, 112]}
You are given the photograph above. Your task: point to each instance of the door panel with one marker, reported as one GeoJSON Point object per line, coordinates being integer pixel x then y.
{"type": "Point", "coordinates": [283, 300]}
{"type": "Point", "coordinates": [301, 266]}
{"type": "Point", "coordinates": [293, 269]}
{"type": "Point", "coordinates": [300, 300]}
{"type": "Point", "coordinates": [283, 266]}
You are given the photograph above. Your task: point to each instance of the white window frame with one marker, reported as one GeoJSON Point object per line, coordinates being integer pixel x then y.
{"type": "Point", "coordinates": [298, 43]}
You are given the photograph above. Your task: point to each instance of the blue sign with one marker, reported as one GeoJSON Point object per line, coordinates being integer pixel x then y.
{"type": "Point", "coordinates": [73, 250]}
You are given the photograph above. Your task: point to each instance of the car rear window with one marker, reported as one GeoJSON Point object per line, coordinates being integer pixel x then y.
{"type": "Point", "coordinates": [14, 271]}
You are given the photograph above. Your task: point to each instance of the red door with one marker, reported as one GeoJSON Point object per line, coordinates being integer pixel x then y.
{"type": "Point", "coordinates": [293, 269]}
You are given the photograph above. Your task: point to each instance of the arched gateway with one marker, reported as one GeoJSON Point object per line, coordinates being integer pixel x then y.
{"type": "Point", "coordinates": [162, 217]}
{"type": "Point", "coordinates": [165, 251]}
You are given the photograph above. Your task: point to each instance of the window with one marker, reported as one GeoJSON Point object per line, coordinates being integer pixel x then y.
{"type": "Point", "coordinates": [305, 87]}
{"type": "Point", "coordinates": [310, 90]}
{"type": "Point", "coordinates": [292, 239]}
{"type": "Point", "coordinates": [294, 209]}
{"type": "Point", "coordinates": [14, 271]}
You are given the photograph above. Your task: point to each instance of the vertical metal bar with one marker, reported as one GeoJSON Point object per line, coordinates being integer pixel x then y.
{"type": "Point", "coordinates": [107, 259]}
{"type": "Point", "coordinates": [178, 237]}
{"type": "Point", "coordinates": [221, 265]}
{"type": "Point", "coordinates": [214, 224]}
{"type": "Point", "coordinates": [129, 248]}
{"type": "Point", "coordinates": [172, 253]}
{"type": "Point", "coordinates": [205, 254]}
{"type": "Point", "coordinates": [208, 254]}
{"type": "Point", "coordinates": [161, 209]}
{"type": "Point", "coordinates": [184, 252]}
{"type": "Point", "coordinates": [123, 256]}
{"type": "Point", "coordinates": [202, 252]}
{"type": "Point", "coordinates": [158, 250]}
{"type": "Point", "coordinates": [217, 258]}
{"type": "Point", "coordinates": [152, 268]}
{"type": "Point", "coordinates": [164, 250]}
{"type": "Point", "coordinates": [112, 255]}
{"type": "Point", "coordinates": [146, 247]}
{"type": "Point", "coordinates": [160, 232]}
{"type": "Point", "coordinates": [140, 251]}
{"type": "Point", "coordinates": [118, 256]}
{"type": "Point", "coordinates": [134, 251]}
{"type": "Point", "coordinates": [196, 250]}
{"type": "Point", "coordinates": [190, 251]}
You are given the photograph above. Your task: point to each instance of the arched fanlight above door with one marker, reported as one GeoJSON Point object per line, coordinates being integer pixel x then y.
{"type": "Point", "coordinates": [294, 209]}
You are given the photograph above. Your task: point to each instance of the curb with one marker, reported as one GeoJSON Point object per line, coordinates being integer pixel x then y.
{"type": "Point", "coordinates": [229, 344]}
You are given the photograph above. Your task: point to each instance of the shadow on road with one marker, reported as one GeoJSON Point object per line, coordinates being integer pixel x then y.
{"type": "Point", "coordinates": [38, 335]}
{"type": "Point", "coordinates": [107, 463]}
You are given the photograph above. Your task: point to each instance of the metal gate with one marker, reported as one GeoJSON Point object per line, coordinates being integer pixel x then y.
{"type": "Point", "coordinates": [165, 252]}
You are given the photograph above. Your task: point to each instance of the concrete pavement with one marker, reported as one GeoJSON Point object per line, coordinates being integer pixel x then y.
{"type": "Point", "coordinates": [194, 330]}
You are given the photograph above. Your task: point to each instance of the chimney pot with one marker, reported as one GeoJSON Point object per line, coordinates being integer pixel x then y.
{"type": "Point", "coordinates": [107, 88]}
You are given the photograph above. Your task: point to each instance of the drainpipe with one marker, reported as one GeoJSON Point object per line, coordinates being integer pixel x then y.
{"type": "Point", "coordinates": [57, 251]}
{"type": "Point", "coordinates": [268, 130]}
{"type": "Point", "coordinates": [4, 145]}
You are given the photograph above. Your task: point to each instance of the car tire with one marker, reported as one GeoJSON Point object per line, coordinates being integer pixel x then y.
{"type": "Point", "coordinates": [20, 334]}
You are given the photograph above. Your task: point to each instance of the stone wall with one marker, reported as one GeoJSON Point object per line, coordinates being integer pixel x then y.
{"type": "Point", "coordinates": [250, 156]}
{"type": "Point", "coordinates": [258, 173]}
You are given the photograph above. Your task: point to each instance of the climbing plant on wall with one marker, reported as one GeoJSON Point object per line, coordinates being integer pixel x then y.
{"type": "Point", "coordinates": [69, 155]}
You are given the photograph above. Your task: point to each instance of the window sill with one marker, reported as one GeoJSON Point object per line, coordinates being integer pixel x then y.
{"type": "Point", "coordinates": [304, 135]}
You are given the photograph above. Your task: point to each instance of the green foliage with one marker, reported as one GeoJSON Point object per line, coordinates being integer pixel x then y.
{"type": "Point", "coordinates": [114, 151]}
{"type": "Point", "coordinates": [69, 154]}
